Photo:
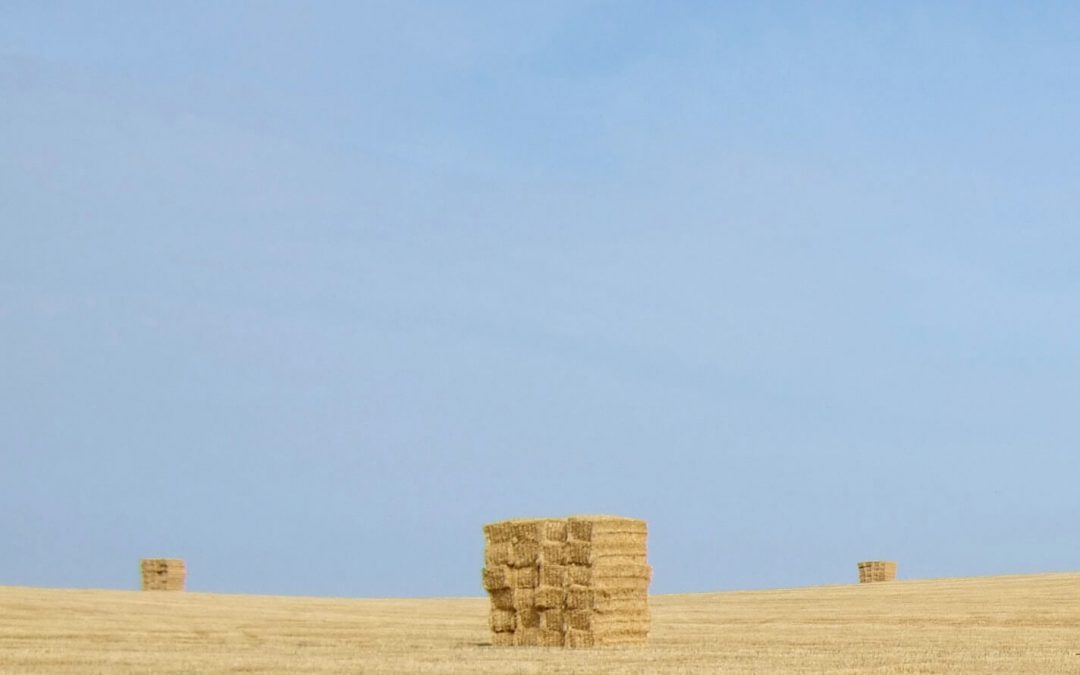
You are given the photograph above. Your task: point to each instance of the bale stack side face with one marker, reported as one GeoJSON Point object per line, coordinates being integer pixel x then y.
{"type": "Point", "coordinates": [163, 574]}
{"type": "Point", "coordinates": [581, 581]}
{"type": "Point", "coordinates": [872, 571]}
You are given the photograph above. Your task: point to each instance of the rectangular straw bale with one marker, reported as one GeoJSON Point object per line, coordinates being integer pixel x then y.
{"type": "Point", "coordinates": [162, 574]}
{"type": "Point", "coordinates": [579, 619]}
{"type": "Point", "coordinates": [606, 560]}
{"type": "Point", "coordinates": [555, 530]}
{"type": "Point", "coordinates": [538, 530]}
{"type": "Point", "coordinates": [499, 533]}
{"type": "Point", "coordinates": [524, 553]}
{"type": "Point", "coordinates": [503, 598]}
{"type": "Point", "coordinates": [551, 638]}
{"type": "Point", "coordinates": [513, 598]}
{"type": "Point", "coordinates": [538, 637]}
{"type": "Point", "coordinates": [527, 529]}
{"type": "Point", "coordinates": [604, 598]}
{"type": "Point", "coordinates": [503, 620]}
{"type": "Point", "coordinates": [552, 575]}
{"type": "Point", "coordinates": [601, 574]}
{"type": "Point", "coordinates": [553, 553]}
{"type": "Point", "coordinates": [501, 553]}
{"type": "Point", "coordinates": [877, 570]}
{"type": "Point", "coordinates": [528, 617]}
{"type": "Point", "coordinates": [578, 575]}
{"type": "Point", "coordinates": [502, 639]}
{"type": "Point", "coordinates": [612, 607]}
{"type": "Point", "coordinates": [579, 553]}
{"type": "Point", "coordinates": [524, 598]}
{"type": "Point", "coordinates": [640, 584]}
{"type": "Point", "coordinates": [526, 577]}
{"type": "Point", "coordinates": [553, 619]}
{"type": "Point", "coordinates": [625, 539]}
{"type": "Point", "coordinates": [579, 639]}
{"type": "Point", "coordinates": [156, 563]}
{"type": "Point", "coordinates": [580, 597]}
{"type": "Point", "coordinates": [549, 597]}
{"type": "Point", "coordinates": [163, 570]}
{"type": "Point", "coordinates": [498, 577]}
{"type": "Point", "coordinates": [585, 528]}
{"type": "Point", "coordinates": [584, 619]}
{"type": "Point", "coordinates": [589, 553]}
{"type": "Point", "coordinates": [606, 603]}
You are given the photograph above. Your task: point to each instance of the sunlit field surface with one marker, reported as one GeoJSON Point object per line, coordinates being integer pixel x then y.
{"type": "Point", "coordinates": [1016, 624]}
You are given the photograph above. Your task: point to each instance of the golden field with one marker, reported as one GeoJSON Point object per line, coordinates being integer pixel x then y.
{"type": "Point", "coordinates": [1013, 624]}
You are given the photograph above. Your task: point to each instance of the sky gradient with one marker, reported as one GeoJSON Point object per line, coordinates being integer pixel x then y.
{"type": "Point", "coordinates": [305, 293]}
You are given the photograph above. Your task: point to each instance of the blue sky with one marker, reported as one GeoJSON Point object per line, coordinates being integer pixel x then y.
{"type": "Point", "coordinates": [305, 293]}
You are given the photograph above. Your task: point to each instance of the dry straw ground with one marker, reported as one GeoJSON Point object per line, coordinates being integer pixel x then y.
{"type": "Point", "coordinates": [1020, 624]}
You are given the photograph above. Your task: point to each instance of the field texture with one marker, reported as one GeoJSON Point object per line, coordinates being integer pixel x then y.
{"type": "Point", "coordinates": [1018, 624]}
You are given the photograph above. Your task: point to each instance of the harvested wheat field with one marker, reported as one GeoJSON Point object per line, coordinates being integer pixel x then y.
{"type": "Point", "coordinates": [1016, 624]}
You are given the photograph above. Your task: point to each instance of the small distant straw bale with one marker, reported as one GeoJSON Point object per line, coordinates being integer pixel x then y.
{"type": "Point", "coordinates": [873, 571]}
{"type": "Point", "coordinates": [163, 574]}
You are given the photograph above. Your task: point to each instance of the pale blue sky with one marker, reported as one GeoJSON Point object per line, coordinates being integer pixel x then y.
{"type": "Point", "coordinates": [305, 293]}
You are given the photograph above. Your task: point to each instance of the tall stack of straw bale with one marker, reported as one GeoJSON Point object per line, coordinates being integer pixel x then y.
{"type": "Point", "coordinates": [581, 581]}
{"type": "Point", "coordinates": [871, 571]}
{"type": "Point", "coordinates": [163, 574]}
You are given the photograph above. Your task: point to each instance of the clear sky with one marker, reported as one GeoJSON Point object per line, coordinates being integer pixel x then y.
{"type": "Point", "coordinates": [305, 293]}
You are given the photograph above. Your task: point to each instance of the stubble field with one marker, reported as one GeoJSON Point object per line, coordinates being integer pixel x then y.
{"type": "Point", "coordinates": [1016, 624]}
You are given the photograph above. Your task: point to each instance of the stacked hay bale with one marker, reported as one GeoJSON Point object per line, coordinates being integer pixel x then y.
{"type": "Point", "coordinates": [163, 574]}
{"type": "Point", "coordinates": [581, 581]}
{"type": "Point", "coordinates": [871, 571]}
{"type": "Point", "coordinates": [524, 574]}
